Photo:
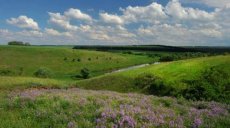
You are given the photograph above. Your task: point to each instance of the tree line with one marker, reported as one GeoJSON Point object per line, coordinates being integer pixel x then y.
{"type": "Point", "coordinates": [19, 43]}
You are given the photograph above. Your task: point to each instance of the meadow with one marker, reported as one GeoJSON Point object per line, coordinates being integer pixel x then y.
{"type": "Point", "coordinates": [74, 108]}
{"type": "Point", "coordinates": [172, 72]}
{"type": "Point", "coordinates": [174, 75]}
{"type": "Point", "coordinates": [64, 62]}
{"type": "Point", "coordinates": [133, 98]}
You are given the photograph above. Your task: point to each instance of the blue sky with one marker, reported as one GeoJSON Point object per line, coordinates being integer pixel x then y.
{"type": "Point", "coordinates": [115, 22]}
{"type": "Point", "coordinates": [38, 8]}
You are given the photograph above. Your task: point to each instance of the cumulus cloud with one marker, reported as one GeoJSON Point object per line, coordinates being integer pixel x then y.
{"type": "Point", "coordinates": [61, 21]}
{"type": "Point", "coordinates": [175, 10]}
{"type": "Point", "coordinates": [24, 22]}
{"type": "Point", "coordinates": [54, 32]}
{"type": "Point", "coordinates": [172, 24]}
{"type": "Point", "coordinates": [150, 13]}
{"type": "Point", "coordinates": [77, 14]}
{"type": "Point", "coordinates": [113, 19]}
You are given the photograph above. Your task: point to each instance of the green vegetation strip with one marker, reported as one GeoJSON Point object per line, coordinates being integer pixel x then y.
{"type": "Point", "coordinates": [172, 73]}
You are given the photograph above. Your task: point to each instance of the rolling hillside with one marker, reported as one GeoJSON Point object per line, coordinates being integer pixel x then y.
{"type": "Point", "coordinates": [172, 73]}
{"type": "Point", "coordinates": [64, 62]}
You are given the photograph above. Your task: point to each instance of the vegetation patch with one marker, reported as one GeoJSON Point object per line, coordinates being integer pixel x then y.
{"type": "Point", "coordinates": [82, 108]}
{"type": "Point", "coordinates": [43, 73]}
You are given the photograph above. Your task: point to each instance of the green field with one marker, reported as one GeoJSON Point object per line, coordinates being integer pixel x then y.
{"type": "Point", "coordinates": [173, 74]}
{"type": "Point", "coordinates": [64, 62]}
{"type": "Point", "coordinates": [28, 101]}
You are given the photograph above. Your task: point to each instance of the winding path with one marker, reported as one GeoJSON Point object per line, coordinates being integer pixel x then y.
{"type": "Point", "coordinates": [132, 67]}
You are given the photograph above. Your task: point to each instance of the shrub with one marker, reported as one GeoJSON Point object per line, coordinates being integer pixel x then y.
{"type": "Point", "coordinates": [21, 70]}
{"type": "Point", "coordinates": [166, 102]}
{"type": "Point", "coordinates": [85, 73]}
{"type": "Point", "coordinates": [43, 73]}
{"type": "Point", "coordinates": [213, 84]}
{"type": "Point", "coordinates": [153, 84]}
{"type": "Point", "coordinates": [166, 58]}
{"type": "Point", "coordinates": [89, 59]}
{"type": "Point", "coordinates": [65, 59]}
{"type": "Point", "coordinates": [6, 72]}
{"type": "Point", "coordinates": [127, 52]}
{"type": "Point", "coordinates": [79, 60]}
{"type": "Point", "coordinates": [144, 80]}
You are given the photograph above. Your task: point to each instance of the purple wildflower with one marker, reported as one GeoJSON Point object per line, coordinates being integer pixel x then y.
{"type": "Point", "coordinates": [127, 121]}
{"type": "Point", "coordinates": [71, 125]}
{"type": "Point", "coordinates": [197, 122]}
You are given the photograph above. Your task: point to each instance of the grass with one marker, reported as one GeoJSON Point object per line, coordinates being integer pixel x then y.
{"type": "Point", "coordinates": [63, 61]}
{"type": "Point", "coordinates": [172, 73]}
{"type": "Point", "coordinates": [11, 83]}
{"type": "Point", "coordinates": [84, 108]}
{"type": "Point", "coordinates": [26, 101]}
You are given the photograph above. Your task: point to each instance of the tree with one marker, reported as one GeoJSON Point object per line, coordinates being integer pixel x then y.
{"type": "Point", "coordinates": [43, 73]}
{"type": "Point", "coordinates": [166, 58]}
{"type": "Point", "coordinates": [15, 43]}
{"type": "Point", "coordinates": [19, 43]}
{"type": "Point", "coordinates": [85, 73]}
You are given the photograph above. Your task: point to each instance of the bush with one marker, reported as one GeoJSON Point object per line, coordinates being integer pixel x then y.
{"type": "Point", "coordinates": [6, 72]}
{"type": "Point", "coordinates": [213, 84]}
{"type": "Point", "coordinates": [166, 58]}
{"type": "Point", "coordinates": [144, 81]}
{"type": "Point", "coordinates": [85, 73]}
{"type": "Point", "coordinates": [127, 52]}
{"type": "Point", "coordinates": [153, 85]}
{"type": "Point", "coordinates": [65, 59]}
{"type": "Point", "coordinates": [21, 70]}
{"type": "Point", "coordinates": [43, 73]}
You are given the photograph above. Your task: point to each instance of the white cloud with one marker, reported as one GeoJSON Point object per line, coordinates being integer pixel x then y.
{"type": "Point", "coordinates": [172, 24]}
{"type": "Point", "coordinates": [77, 14]}
{"type": "Point", "coordinates": [61, 21]}
{"type": "Point", "coordinates": [175, 10]}
{"type": "Point", "coordinates": [24, 22]}
{"type": "Point", "coordinates": [30, 33]}
{"type": "Point", "coordinates": [109, 18]}
{"type": "Point", "coordinates": [54, 32]}
{"type": "Point", "coordinates": [150, 13]}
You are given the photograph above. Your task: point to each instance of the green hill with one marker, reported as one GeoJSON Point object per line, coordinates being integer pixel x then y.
{"type": "Point", "coordinates": [64, 62]}
{"type": "Point", "coordinates": [172, 73]}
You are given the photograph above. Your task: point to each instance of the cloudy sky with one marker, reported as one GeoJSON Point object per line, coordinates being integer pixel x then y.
{"type": "Point", "coordinates": [116, 22]}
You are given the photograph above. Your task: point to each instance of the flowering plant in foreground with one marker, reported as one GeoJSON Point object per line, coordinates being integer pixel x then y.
{"type": "Point", "coordinates": [116, 110]}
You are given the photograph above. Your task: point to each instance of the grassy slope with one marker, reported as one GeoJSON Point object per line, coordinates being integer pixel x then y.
{"type": "Point", "coordinates": [45, 108]}
{"type": "Point", "coordinates": [22, 107]}
{"type": "Point", "coordinates": [10, 83]}
{"type": "Point", "coordinates": [173, 73]}
{"type": "Point", "coordinates": [33, 57]}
